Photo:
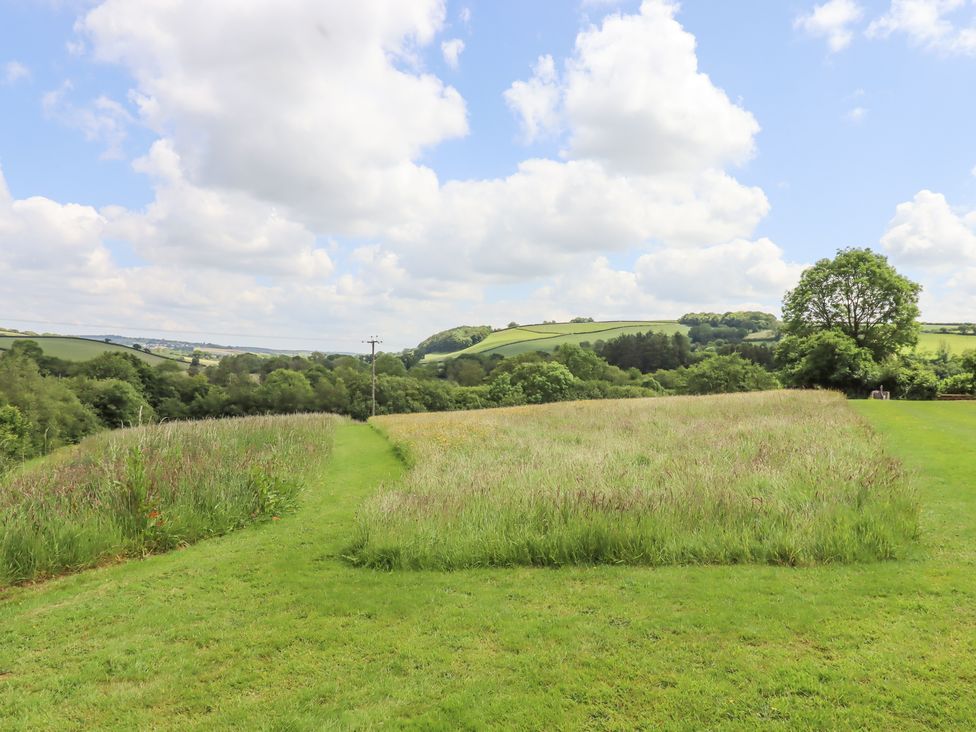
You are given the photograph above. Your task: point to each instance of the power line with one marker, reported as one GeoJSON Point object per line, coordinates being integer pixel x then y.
{"type": "Point", "coordinates": [373, 340]}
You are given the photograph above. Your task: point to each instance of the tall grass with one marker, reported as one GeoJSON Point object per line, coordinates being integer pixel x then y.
{"type": "Point", "coordinates": [776, 477]}
{"type": "Point", "coordinates": [138, 491]}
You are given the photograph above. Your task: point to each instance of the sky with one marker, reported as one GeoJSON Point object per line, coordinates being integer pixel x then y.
{"type": "Point", "coordinates": [309, 173]}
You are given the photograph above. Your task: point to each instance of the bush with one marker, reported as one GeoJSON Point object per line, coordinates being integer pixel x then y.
{"type": "Point", "coordinates": [726, 374]}
{"type": "Point", "coordinates": [543, 382]}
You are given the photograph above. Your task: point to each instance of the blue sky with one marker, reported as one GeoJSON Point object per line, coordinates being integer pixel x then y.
{"type": "Point", "coordinates": [188, 169]}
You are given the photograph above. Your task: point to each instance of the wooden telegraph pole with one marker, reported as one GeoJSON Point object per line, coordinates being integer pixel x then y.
{"type": "Point", "coordinates": [373, 340]}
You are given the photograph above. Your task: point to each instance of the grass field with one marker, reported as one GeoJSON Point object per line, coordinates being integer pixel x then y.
{"type": "Point", "coordinates": [956, 343]}
{"type": "Point", "coordinates": [270, 629]}
{"type": "Point", "coordinates": [547, 337]}
{"type": "Point", "coordinates": [775, 477]}
{"type": "Point", "coordinates": [151, 489]}
{"type": "Point", "coordinates": [83, 349]}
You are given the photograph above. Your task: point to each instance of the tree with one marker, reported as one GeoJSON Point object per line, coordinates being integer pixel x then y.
{"type": "Point", "coordinates": [859, 294]}
{"type": "Point", "coordinates": [286, 391]}
{"type": "Point", "coordinates": [466, 371]}
{"type": "Point", "coordinates": [583, 364]}
{"type": "Point", "coordinates": [503, 393]}
{"type": "Point", "coordinates": [390, 364]}
{"type": "Point", "coordinates": [827, 359]}
{"type": "Point", "coordinates": [117, 403]}
{"type": "Point", "coordinates": [14, 436]}
{"type": "Point", "coordinates": [647, 351]}
{"type": "Point", "coordinates": [969, 364]}
{"type": "Point", "coordinates": [727, 374]}
{"type": "Point", "coordinates": [543, 382]}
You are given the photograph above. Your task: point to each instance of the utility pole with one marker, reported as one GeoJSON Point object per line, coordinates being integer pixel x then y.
{"type": "Point", "coordinates": [373, 340]}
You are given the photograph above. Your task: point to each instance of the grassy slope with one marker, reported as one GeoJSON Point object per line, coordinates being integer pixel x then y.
{"type": "Point", "coordinates": [83, 349]}
{"type": "Point", "coordinates": [513, 341]}
{"type": "Point", "coordinates": [268, 629]}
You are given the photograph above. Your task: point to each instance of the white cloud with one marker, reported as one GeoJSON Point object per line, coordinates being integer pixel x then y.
{"type": "Point", "coordinates": [541, 219]}
{"type": "Point", "coordinates": [973, 171]}
{"type": "Point", "coordinates": [937, 245]}
{"type": "Point", "coordinates": [926, 232]}
{"type": "Point", "coordinates": [12, 72]}
{"type": "Point", "coordinates": [465, 16]}
{"type": "Point", "coordinates": [833, 20]}
{"type": "Point", "coordinates": [632, 97]}
{"type": "Point", "coordinates": [452, 50]}
{"type": "Point", "coordinates": [315, 106]}
{"type": "Point", "coordinates": [738, 271]}
{"type": "Point", "coordinates": [536, 101]}
{"type": "Point", "coordinates": [934, 25]}
{"type": "Point", "coordinates": [857, 114]}
{"type": "Point", "coordinates": [208, 228]}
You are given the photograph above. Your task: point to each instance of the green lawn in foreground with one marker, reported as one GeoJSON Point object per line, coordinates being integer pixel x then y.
{"type": "Point", "coordinates": [269, 629]}
{"type": "Point", "coordinates": [547, 337]}
{"type": "Point", "coordinates": [84, 349]}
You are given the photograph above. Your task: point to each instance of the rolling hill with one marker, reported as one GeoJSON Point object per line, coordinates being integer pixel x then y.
{"type": "Point", "coordinates": [72, 348]}
{"type": "Point", "coordinates": [548, 336]}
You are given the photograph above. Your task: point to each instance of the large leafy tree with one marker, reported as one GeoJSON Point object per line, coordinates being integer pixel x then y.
{"type": "Point", "coordinates": [860, 295]}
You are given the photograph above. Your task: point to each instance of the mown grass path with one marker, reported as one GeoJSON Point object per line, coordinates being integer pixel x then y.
{"type": "Point", "coordinates": [269, 629]}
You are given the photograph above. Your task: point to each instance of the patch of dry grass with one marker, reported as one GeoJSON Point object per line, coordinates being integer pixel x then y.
{"type": "Point", "coordinates": [774, 477]}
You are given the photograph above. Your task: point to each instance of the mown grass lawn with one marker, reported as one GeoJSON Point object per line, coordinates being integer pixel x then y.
{"type": "Point", "coordinates": [269, 629]}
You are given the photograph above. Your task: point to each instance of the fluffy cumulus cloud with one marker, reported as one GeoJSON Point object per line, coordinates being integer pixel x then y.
{"type": "Point", "coordinates": [937, 244]}
{"type": "Point", "coordinates": [833, 20]}
{"type": "Point", "coordinates": [633, 98]}
{"type": "Point", "coordinates": [944, 26]}
{"type": "Point", "coordinates": [320, 107]}
{"type": "Point", "coordinates": [209, 228]}
{"type": "Point", "coordinates": [290, 188]}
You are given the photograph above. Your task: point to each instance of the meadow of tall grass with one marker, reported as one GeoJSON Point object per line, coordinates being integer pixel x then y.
{"type": "Point", "coordinates": [151, 489]}
{"type": "Point", "coordinates": [780, 477]}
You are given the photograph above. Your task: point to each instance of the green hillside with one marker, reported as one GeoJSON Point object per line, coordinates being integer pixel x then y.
{"type": "Point", "coordinates": [548, 336]}
{"type": "Point", "coordinates": [83, 349]}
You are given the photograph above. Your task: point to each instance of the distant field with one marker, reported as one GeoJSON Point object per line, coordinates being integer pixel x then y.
{"type": "Point", "coordinates": [775, 477]}
{"type": "Point", "coordinates": [931, 342]}
{"type": "Point", "coordinates": [513, 341]}
{"type": "Point", "coordinates": [83, 349]}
